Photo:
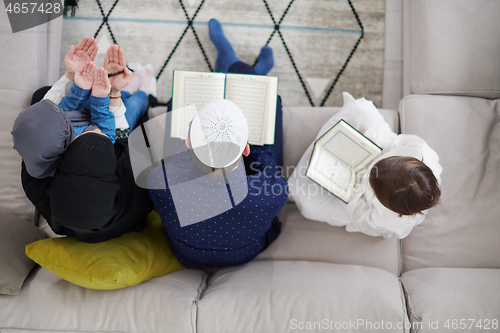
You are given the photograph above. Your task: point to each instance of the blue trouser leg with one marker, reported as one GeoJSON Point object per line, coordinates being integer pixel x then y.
{"type": "Point", "coordinates": [136, 104]}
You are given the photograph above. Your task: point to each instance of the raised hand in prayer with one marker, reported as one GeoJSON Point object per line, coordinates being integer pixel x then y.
{"type": "Point", "coordinates": [84, 77]}
{"type": "Point", "coordinates": [114, 62]}
{"type": "Point", "coordinates": [78, 56]}
{"type": "Point", "coordinates": [101, 85]}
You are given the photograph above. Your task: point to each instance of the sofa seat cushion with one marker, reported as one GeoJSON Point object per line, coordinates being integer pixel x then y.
{"type": "Point", "coordinates": [48, 303]}
{"type": "Point", "coordinates": [451, 47]}
{"type": "Point", "coordinates": [300, 296]}
{"type": "Point", "coordinates": [453, 299]}
{"type": "Point", "coordinates": [303, 239]}
{"type": "Point", "coordinates": [30, 60]}
{"type": "Point", "coordinates": [464, 228]}
{"type": "Point", "coordinates": [12, 198]}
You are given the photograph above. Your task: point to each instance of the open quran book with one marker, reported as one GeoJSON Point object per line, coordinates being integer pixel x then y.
{"type": "Point", "coordinates": [337, 156]}
{"type": "Point", "coordinates": [255, 95]}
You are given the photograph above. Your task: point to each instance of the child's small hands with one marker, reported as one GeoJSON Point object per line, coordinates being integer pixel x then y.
{"type": "Point", "coordinates": [84, 77]}
{"type": "Point", "coordinates": [101, 86]}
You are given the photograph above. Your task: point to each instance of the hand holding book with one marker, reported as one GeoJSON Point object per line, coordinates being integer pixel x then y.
{"type": "Point", "coordinates": [337, 156]}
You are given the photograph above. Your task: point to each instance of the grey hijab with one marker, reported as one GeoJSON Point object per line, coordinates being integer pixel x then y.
{"type": "Point", "coordinates": [41, 134]}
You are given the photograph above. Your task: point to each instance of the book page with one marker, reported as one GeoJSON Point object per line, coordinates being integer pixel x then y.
{"type": "Point", "coordinates": [256, 96]}
{"type": "Point", "coordinates": [202, 90]}
{"type": "Point", "coordinates": [349, 146]}
{"type": "Point", "coordinates": [250, 97]}
{"type": "Point", "coordinates": [181, 117]}
{"type": "Point", "coordinates": [192, 89]}
{"type": "Point", "coordinates": [331, 174]}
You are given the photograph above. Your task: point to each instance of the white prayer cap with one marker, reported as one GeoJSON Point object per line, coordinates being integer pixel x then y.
{"type": "Point", "coordinates": [219, 133]}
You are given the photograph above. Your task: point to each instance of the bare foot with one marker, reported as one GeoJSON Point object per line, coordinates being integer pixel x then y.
{"type": "Point", "coordinates": [101, 86]}
{"type": "Point", "coordinates": [85, 75]}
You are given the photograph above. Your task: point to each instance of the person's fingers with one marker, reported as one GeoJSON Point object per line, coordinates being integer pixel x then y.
{"type": "Point", "coordinates": [117, 54]}
{"type": "Point", "coordinates": [87, 44]}
{"type": "Point", "coordinates": [106, 57]}
{"type": "Point", "coordinates": [114, 52]}
{"type": "Point", "coordinates": [82, 43]}
{"type": "Point", "coordinates": [90, 68]}
{"type": "Point", "coordinates": [91, 47]}
{"type": "Point", "coordinates": [96, 76]}
{"type": "Point", "coordinates": [105, 78]}
{"type": "Point", "coordinates": [92, 51]}
{"type": "Point", "coordinates": [121, 58]}
{"type": "Point", "coordinates": [70, 53]}
{"type": "Point", "coordinates": [110, 50]}
{"type": "Point", "coordinates": [127, 73]}
{"type": "Point", "coordinates": [100, 75]}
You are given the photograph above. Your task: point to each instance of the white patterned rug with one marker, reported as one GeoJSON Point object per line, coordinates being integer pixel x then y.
{"type": "Point", "coordinates": [312, 45]}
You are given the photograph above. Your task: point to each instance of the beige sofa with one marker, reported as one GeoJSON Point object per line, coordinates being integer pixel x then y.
{"type": "Point", "coordinates": [318, 278]}
{"type": "Point", "coordinates": [452, 85]}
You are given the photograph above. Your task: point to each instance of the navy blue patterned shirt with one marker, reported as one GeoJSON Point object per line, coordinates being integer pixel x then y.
{"type": "Point", "coordinates": [225, 221]}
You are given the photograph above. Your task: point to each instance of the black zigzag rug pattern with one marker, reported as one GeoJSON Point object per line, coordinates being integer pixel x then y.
{"type": "Point", "coordinates": [275, 32]}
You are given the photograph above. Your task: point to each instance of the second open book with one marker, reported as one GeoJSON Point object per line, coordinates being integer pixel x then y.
{"type": "Point", "coordinates": [255, 95]}
{"type": "Point", "coordinates": [337, 156]}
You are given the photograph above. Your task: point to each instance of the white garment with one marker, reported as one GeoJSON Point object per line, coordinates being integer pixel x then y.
{"type": "Point", "coordinates": [364, 212]}
{"type": "Point", "coordinates": [63, 87]}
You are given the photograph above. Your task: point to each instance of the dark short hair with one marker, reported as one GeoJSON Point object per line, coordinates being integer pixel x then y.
{"type": "Point", "coordinates": [405, 185]}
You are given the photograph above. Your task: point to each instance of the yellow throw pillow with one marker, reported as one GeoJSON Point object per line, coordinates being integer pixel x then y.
{"type": "Point", "coordinates": [117, 263]}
